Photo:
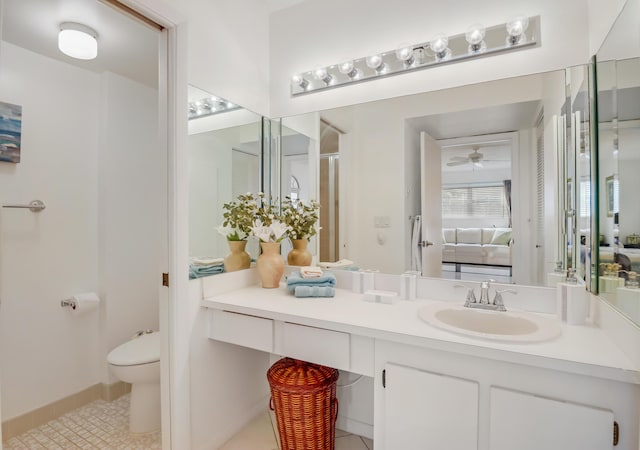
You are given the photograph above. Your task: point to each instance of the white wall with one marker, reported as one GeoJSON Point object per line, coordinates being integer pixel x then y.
{"type": "Point", "coordinates": [46, 353]}
{"type": "Point", "coordinates": [229, 49]}
{"type": "Point", "coordinates": [89, 153]}
{"type": "Point", "coordinates": [324, 33]}
{"type": "Point", "coordinates": [132, 208]}
{"type": "Point", "coordinates": [602, 14]}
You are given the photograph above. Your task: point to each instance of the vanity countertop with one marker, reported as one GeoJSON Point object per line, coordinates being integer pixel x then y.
{"type": "Point", "coordinates": [585, 350]}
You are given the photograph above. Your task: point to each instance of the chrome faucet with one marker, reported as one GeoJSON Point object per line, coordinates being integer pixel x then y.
{"type": "Point", "coordinates": [484, 303]}
{"type": "Point", "coordinates": [484, 292]}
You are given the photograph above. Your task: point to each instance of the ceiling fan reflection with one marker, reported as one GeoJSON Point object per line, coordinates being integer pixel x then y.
{"type": "Point", "coordinates": [474, 158]}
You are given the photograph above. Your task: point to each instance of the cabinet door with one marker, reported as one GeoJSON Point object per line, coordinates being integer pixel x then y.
{"type": "Point", "coordinates": [426, 410]}
{"type": "Point", "coordinates": [527, 422]}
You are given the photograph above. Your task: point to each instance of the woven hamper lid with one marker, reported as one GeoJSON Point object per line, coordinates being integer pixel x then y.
{"type": "Point", "coordinates": [293, 374]}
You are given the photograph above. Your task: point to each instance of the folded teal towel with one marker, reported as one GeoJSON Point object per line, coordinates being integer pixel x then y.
{"type": "Point", "coordinates": [295, 279]}
{"type": "Point", "coordinates": [314, 291]}
{"type": "Point", "coordinates": [203, 271]}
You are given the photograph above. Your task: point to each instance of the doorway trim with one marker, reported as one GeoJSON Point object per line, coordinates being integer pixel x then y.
{"type": "Point", "coordinates": [172, 89]}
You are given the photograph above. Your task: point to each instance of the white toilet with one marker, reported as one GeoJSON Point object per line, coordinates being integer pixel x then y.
{"type": "Point", "coordinates": [138, 362]}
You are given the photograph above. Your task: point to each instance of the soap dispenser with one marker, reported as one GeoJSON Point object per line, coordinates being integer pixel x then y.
{"type": "Point", "coordinates": [572, 300]}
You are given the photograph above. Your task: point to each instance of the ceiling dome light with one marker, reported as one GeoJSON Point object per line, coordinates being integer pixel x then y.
{"type": "Point", "coordinates": [475, 37]}
{"type": "Point", "coordinates": [78, 41]}
{"type": "Point", "coordinates": [516, 28]}
{"type": "Point", "coordinates": [439, 46]}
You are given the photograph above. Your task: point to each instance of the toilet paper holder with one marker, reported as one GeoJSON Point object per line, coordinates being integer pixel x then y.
{"type": "Point", "coordinates": [68, 302]}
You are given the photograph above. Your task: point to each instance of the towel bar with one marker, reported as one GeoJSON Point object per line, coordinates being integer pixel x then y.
{"type": "Point", "coordinates": [33, 206]}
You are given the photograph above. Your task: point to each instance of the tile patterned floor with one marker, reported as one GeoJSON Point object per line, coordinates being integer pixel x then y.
{"type": "Point", "coordinates": [262, 434]}
{"type": "Point", "coordinates": [97, 425]}
{"type": "Point", "coordinates": [105, 426]}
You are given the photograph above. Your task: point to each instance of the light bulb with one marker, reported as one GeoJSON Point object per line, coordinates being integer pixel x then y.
{"type": "Point", "coordinates": [321, 74]}
{"type": "Point", "coordinates": [375, 62]}
{"type": "Point", "coordinates": [404, 52]}
{"type": "Point", "coordinates": [439, 46]}
{"type": "Point", "coordinates": [349, 69]}
{"type": "Point", "coordinates": [475, 37]}
{"type": "Point", "coordinates": [300, 80]}
{"type": "Point", "coordinates": [516, 29]}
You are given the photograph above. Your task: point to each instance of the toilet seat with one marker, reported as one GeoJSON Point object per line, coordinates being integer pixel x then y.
{"type": "Point", "coordinates": [141, 350]}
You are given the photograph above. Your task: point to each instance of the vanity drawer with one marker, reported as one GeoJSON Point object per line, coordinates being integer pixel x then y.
{"type": "Point", "coordinates": [241, 329]}
{"type": "Point", "coordinates": [316, 345]}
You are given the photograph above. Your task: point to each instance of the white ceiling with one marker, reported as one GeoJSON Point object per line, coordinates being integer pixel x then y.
{"type": "Point", "coordinates": [125, 45]}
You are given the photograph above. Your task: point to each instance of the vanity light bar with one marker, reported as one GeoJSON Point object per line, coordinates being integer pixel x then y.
{"type": "Point", "coordinates": [209, 106]}
{"type": "Point", "coordinates": [517, 34]}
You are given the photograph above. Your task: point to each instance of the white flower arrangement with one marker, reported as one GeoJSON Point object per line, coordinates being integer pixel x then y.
{"type": "Point", "coordinates": [268, 226]}
{"type": "Point", "coordinates": [274, 232]}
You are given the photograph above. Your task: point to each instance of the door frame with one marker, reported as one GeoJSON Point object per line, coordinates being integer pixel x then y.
{"type": "Point", "coordinates": [172, 89]}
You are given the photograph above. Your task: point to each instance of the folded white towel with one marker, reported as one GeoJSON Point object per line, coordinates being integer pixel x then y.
{"type": "Point", "coordinates": [310, 272]}
{"type": "Point", "coordinates": [206, 261]}
{"type": "Point", "coordinates": [341, 263]}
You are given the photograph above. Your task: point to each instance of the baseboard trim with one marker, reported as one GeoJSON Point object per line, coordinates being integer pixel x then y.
{"type": "Point", "coordinates": [355, 427]}
{"type": "Point", "coordinates": [35, 418]}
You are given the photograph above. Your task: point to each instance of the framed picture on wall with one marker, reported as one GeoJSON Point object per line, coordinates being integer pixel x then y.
{"type": "Point", "coordinates": [10, 132]}
{"type": "Point", "coordinates": [611, 183]}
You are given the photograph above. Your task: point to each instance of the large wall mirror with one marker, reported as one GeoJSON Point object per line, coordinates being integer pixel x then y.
{"type": "Point", "coordinates": [473, 173]}
{"type": "Point", "coordinates": [618, 100]}
{"type": "Point", "coordinates": [225, 160]}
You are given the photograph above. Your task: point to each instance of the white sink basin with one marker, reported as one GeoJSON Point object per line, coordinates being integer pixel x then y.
{"type": "Point", "coordinates": [503, 326]}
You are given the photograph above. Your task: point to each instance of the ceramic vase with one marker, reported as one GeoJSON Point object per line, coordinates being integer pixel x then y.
{"type": "Point", "coordinates": [270, 264]}
{"type": "Point", "coordinates": [238, 259]}
{"type": "Point", "coordinates": [299, 255]}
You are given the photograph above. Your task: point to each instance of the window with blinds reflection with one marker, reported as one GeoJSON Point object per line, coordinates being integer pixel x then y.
{"type": "Point", "coordinates": [474, 201]}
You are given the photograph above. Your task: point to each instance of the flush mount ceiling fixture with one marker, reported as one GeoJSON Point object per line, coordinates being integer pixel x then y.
{"type": "Point", "coordinates": [518, 34]}
{"type": "Point", "coordinates": [78, 41]}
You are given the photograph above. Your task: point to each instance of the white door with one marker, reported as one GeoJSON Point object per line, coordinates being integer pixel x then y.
{"type": "Point", "coordinates": [425, 410]}
{"type": "Point", "coordinates": [529, 422]}
{"type": "Point", "coordinates": [431, 195]}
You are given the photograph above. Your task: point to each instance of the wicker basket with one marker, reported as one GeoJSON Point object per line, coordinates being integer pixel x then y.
{"type": "Point", "coordinates": [304, 398]}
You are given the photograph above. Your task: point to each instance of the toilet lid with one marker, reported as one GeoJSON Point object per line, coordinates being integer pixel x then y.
{"type": "Point", "coordinates": [141, 350]}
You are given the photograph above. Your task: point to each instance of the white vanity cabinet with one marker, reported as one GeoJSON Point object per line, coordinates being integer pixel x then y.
{"type": "Point", "coordinates": [432, 390]}
{"type": "Point", "coordinates": [426, 398]}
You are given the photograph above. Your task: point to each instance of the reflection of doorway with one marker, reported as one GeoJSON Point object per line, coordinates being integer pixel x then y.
{"type": "Point", "coordinates": [329, 167]}
{"type": "Point", "coordinates": [244, 167]}
{"type": "Point", "coordinates": [329, 190]}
